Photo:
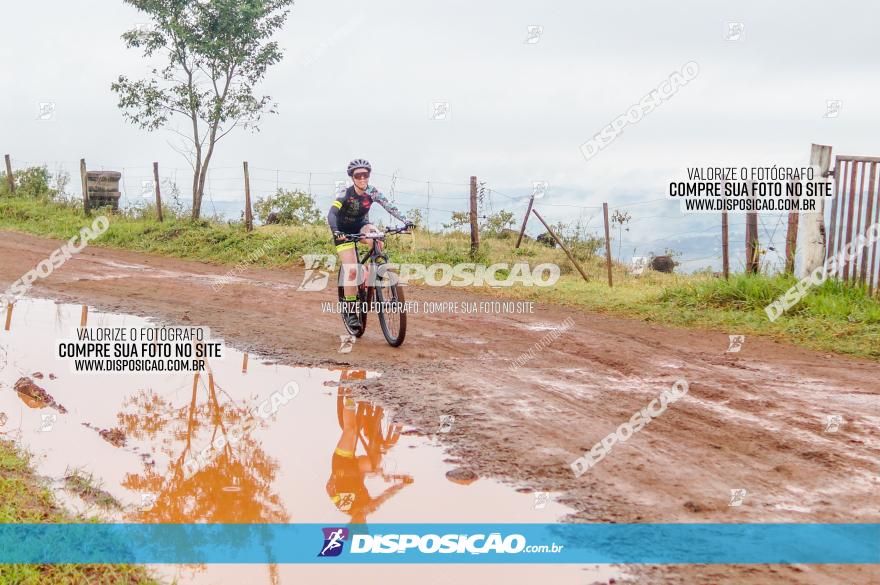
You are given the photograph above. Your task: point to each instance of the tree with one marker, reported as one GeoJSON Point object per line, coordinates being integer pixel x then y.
{"type": "Point", "coordinates": [289, 207]}
{"type": "Point", "coordinates": [459, 219]}
{"type": "Point", "coordinates": [34, 182]}
{"type": "Point", "coordinates": [415, 216]}
{"type": "Point", "coordinates": [621, 219]}
{"type": "Point", "coordinates": [582, 244]}
{"type": "Point", "coordinates": [496, 223]}
{"type": "Point", "coordinates": [493, 224]}
{"type": "Point", "coordinates": [217, 51]}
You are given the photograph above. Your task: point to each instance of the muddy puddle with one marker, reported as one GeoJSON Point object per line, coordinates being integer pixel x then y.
{"type": "Point", "coordinates": [137, 447]}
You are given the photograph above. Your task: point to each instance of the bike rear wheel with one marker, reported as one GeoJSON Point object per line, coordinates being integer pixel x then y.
{"type": "Point", "coordinates": [391, 309]}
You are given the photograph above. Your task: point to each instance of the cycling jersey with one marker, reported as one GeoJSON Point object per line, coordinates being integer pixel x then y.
{"type": "Point", "coordinates": [351, 209]}
{"type": "Point", "coordinates": [350, 212]}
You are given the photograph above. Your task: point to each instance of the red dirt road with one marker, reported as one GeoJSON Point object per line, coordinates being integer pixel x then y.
{"type": "Point", "coordinates": [754, 420]}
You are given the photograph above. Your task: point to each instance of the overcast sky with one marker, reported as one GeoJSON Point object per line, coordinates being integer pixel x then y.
{"type": "Point", "coordinates": [359, 79]}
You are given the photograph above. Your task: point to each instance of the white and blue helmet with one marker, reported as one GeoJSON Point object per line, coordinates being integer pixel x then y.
{"type": "Point", "coordinates": [358, 163]}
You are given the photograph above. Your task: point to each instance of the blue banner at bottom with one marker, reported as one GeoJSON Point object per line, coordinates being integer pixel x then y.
{"type": "Point", "coordinates": [441, 543]}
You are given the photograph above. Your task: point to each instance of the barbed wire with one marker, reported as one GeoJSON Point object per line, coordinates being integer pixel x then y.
{"type": "Point", "coordinates": [230, 188]}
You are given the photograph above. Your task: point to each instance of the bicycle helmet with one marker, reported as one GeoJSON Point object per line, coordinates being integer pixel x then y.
{"type": "Point", "coordinates": [358, 163]}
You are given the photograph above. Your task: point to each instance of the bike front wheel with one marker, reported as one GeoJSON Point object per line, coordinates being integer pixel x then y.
{"type": "Point", "coordinates": [391, 310]}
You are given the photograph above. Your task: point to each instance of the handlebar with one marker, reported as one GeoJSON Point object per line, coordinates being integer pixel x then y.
{"type": "Point", "coordinates": [376, 235]}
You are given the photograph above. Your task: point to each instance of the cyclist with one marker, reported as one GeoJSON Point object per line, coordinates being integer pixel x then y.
{"type": "Point", "coordinates": [349, 214]}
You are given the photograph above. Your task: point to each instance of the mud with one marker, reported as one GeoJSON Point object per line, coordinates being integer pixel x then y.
{"type": "Point", "coordinates": [758, 420]}
{"type": "Point", "coordinates": [115, 437]}
{"type": "Point", "coordinates": [35, 396]}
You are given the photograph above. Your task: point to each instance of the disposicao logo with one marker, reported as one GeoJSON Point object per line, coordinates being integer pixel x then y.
{"type": "Point", "coordinates": [334, 539]}
{"type": "Point", "coordinates": [425, 544]}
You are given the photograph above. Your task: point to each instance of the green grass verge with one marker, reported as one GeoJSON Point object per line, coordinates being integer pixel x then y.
{"type": "Point", "coordinates": [832, 317]}
{"type": "Point", "coordinates": [23, 499]}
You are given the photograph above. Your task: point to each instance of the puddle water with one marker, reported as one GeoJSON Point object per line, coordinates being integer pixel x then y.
{"type": "Point", "coordinates": [326, 456]}
{"type": "Point", "coordinates": [540, 326]}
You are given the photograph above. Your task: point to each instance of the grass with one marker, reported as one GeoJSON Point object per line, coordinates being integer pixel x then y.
{"type": "Point", "coordinates": [25, 500]}
{"type": "Point", "coordinates": [833, 317]}
{"type": "Point", "coordinates": [89, 489]}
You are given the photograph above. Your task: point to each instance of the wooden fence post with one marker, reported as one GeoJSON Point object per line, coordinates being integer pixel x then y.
{"type": "Point", "coordinates": [248, 214]}
{"type": "Point", "coordinates": [725, 246]}
{"type": "Point", "coordinates": [561, 245]}
{"type": "Point", "coordinates": [158, 194]}
{"type": "Point", "coordinates": [791, 242]}
{"type": "Point", "coordinates": [753, 260]}
{"type": "Point", "coordinates": [10, 178]}
{"type": "Point", "coordinates": [475, 231]}
{"type": "Point", "coordinates": [85, 186]}
{"type": "Point", "coordinates": [607, 244]}
{"type": "Point", "coordinates": [522, 230]}
{"type": "Point", "coordinates": [812, 229]}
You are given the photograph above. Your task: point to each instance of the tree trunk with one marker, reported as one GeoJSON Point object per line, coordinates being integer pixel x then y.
{"type": "Point", "coordinates": [203, 177]}
{"type": "Point", "coordinates": [197, 187]}
{"type": "Point", "coordinates": [196, 199]}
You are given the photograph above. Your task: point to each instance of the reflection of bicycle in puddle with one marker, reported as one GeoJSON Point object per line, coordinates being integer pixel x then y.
{"type": "Point", "coordinates": [362, 430]}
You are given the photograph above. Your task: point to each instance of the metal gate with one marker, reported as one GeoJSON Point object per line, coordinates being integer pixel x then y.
{"type": "Point", "coordinates": [854, 208]}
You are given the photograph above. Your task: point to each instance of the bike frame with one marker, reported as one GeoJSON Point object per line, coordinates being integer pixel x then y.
{"type": "Point", "coordinates": [372, 254]}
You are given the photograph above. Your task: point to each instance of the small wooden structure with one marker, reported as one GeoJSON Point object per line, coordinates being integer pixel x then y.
{"type": "Point", "coordinates": [103, 188]}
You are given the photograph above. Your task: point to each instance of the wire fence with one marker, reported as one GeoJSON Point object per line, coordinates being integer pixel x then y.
{"type": "Point", "coordinates": [653, 226]}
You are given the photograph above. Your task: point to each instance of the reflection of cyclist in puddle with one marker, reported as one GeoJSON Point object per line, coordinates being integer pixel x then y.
{"type": "Point", "coordinates": [360, 422]}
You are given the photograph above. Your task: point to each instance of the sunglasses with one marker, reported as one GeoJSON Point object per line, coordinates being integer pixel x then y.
{"type": "Point", "coordinates": [361, 175]}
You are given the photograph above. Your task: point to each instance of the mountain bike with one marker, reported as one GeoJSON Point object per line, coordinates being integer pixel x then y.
{"type": "Point", "coordinates": [374, 281]}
